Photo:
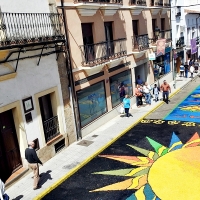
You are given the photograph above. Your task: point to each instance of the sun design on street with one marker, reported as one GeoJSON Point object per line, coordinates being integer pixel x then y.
{"type": "Point", "coordinates": [166, 173]}
{"type": "Point", "coordinates": [193, 108]}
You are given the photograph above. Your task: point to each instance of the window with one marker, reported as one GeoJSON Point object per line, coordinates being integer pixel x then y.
{"type": "Point", "coordinates": [120, 85]}
{"type": "Point", "coordinates": [87, 33]}
{"type": "Point", "coordinates": [50, 122]}
{"type": "Point", "coordinates": [91, 103]}
{"type": "Point", "coordinates": [154, 24]}
{"type": "Point", "coordinates": [135, 27]}
{"type": "Point", "coordinates": [162, 24]}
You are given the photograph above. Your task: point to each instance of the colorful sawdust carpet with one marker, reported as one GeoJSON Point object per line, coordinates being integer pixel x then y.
{"type": "Point", "coordinates": [187, 110]}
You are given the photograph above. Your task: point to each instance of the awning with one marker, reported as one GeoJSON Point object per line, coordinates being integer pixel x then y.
{"type": "Point", "coordinates": [195, 10]}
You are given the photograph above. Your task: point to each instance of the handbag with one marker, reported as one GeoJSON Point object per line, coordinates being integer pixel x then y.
{"type": "Point", "coordinates": [121, 110]}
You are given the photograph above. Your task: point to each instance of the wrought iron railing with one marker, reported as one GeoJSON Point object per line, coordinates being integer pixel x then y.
{"type": "Point", "coordinates": [100, 1]}
{"type": "Point", "coordinates": [180, 42]}
{"type": "Point", "coordinates": [51, 128]}
{"type": "Point", "coordinates": [138, 2]}
{"type": "Point", "coordinates": [94, 54]}
{"type": "Point", "coordinates": [156, 2]}
{"type": "Point", "coordinates": [167, 4]}
{"type": "Point", "coordinates": [27, 28]}
{"type": "Point", "coordinates": [140, 42]}
{"type": "Point", "coordinates": [166, 34]}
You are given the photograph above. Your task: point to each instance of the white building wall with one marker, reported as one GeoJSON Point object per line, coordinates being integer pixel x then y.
{"type": "Point", "coordinates": [30, 80]}
{"type": "Point", "coordinates": [24, 6]}
{"type": "Point", "coordinates": [185, 25]}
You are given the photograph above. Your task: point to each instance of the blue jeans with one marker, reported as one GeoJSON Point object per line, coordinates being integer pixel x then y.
{"type": "Point", "coordinates": [148, 98]}
{"type": "Point", "coordinates": [166, 96]}
{"type": "Point", "coordinates": [186, 73]}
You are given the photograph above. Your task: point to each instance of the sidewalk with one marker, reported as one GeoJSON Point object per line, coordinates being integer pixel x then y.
{"type": "Point", "coordinates": [72, 158]}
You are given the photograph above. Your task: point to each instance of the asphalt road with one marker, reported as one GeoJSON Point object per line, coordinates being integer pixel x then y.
{"type": "Point", "coordinates": [154, 160]}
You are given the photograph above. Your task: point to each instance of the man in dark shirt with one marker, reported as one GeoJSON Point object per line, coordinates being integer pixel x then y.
{"type": "Point", "coordinates": [33, 161]}
{"type": "Point", "coordinates": [186, 69]}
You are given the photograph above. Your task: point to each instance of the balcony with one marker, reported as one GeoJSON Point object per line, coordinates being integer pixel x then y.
{"type": "Point", "coordinates": [28, 29]}
{"type": "Point", "coordinates": [100, 1]}
{"type": "Point", "coordinates": [138, 3]}
{"type": "Point", "coordinates": [90, 7]}
{"type": "Point", "coordinates": [156, 3]}
{"type": "Point", "coordinates": [100, 53]}
{"type": "Point", "coordinates": [140, 42]}
{"type": "Point", "coordinates": [51, 128]}
{"type": "Point", "coordinates": [180, 42]}
{"type": "Point", "coordinates": [167, 34]}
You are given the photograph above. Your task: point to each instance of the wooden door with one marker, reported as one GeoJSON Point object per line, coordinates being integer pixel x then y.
{"type": "Point", "coordinates": [10, 159]}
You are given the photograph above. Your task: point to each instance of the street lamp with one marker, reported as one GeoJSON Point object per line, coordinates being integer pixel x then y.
{"type": "Point", "coordinates": [157, 32]}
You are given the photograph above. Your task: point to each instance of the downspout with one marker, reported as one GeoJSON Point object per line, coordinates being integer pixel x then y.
{"type": "Point", "coordinates": [70, 76]}
{"type": "Point", "coordinates": [197, 32]}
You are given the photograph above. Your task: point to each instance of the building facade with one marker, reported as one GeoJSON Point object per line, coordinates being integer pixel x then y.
{"type": "Point", "coordinates": [185, 26]}
{"type": "Point", "coordinates": [34, 99]}
{"type": "Point", "coordinates": [110, 43]}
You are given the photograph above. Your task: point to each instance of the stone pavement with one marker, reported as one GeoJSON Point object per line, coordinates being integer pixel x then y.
{"type": "Point", "coordinates": [73, 157]}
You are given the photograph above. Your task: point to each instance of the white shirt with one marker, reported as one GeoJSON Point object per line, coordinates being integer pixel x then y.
{"type": "Point", "coordinates": [156, 90]}
{"type": "Point", "coordinates": [2, 189]}
{"type": "Point", "coordinates": [146, 89]}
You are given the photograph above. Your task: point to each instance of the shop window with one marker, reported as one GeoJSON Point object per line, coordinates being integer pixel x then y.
{"type": "Point", "coordinates": [91, 103]}
{"type": "Point", "coordinates": [120, 85]}
{"type": "Point", "coordinates": [162, 66]}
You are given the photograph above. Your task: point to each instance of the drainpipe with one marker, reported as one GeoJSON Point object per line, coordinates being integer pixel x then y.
{"type": "Point", "coordinates": [70, 76]}
{"type": "Point", "coordinates": [172, 53]}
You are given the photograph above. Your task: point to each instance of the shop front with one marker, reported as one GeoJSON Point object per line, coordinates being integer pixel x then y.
{"type": "Point", "coordinates": [162, 64]}
{"type": "Point", "coordinates": [104, 94]}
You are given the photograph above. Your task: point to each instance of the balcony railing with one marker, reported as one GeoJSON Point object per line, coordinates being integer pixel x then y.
{"type": "Point", "coordinates": [180, 42]}
{"type": "Point", "coordinates": [140, 42]}
{"type": "Point", "coordinates": [156, 2]}
{"type": "Point", "coordinates": [27, 28]}
{"type": "Point", "coordinates": [166, 35]}
{"type": "Point", "coordinates": [100, 1]}
{"type": "Point", "coordinates": [138, 2]}
{"type": "Point", "coordinates": [167, 4]}
{"type": "Point", "coordinates": [95, 54]}
{"type": "Point", "coordinates": [51, 128]}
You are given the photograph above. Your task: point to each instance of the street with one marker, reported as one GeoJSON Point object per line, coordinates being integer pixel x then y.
{"type": "Point", "coordinates": [156, 159]}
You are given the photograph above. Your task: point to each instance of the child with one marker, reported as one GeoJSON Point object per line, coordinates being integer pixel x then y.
{"type": "Point", "coordinates": [156, 92]}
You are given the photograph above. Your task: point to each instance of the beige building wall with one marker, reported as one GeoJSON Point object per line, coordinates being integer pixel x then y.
{"type": "Point", "coordinates": [122, 28]}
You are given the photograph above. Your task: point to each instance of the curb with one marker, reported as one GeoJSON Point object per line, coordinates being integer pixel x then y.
{"type": "Point", "coordinates": [74, 170]}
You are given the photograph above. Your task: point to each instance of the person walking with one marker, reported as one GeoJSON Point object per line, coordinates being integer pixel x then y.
{"type": "Point", "coordinates": [127, 104]}
{"type": "Point", "coordinates": [33, 161]}
{"type": "Point", "coordinates": [182, 69]}
{"type": "Point", "coordinates": [146, 90]}
{"type": "Point", "coordinates": [192, 70]}
{"type": "Point", "coordinates": [3, 195]}
{"type": "Point", "coordinates": [196, 66]}
{"type": "Point", "coordinates": [165, 88]}
{"type": "Point", "coordinates": [138, 94]}
{"type": "Point", "coordinates": [156, 90]}
{"type": "Point", "coordinates": [186, 66]}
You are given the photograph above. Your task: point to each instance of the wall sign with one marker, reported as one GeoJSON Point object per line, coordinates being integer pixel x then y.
{"type": "Point", "coordinates": [28, 104]}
